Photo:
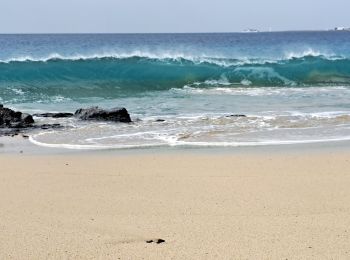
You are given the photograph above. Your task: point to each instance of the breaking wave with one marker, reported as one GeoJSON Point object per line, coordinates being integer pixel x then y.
{"type": "Point", "coordinates": [137, 73]}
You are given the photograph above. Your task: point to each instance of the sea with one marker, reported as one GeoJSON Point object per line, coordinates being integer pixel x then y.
{"type": "Point", "coordinates": [186, 90]}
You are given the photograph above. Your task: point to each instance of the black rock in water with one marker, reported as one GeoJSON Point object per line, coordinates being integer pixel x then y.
{"type": "Point", "coordinates": [236, 115]}
{"type": "Point", "coordinates": [14, 119]}
{"type": "Point", "coordinates": [49, 126]}
{"type": "Point", "coordinates": [96, 113]}
{"type": "Point", "coordinates": [13, 122]}
{"type": "Point", "coordinates": [54, 115]}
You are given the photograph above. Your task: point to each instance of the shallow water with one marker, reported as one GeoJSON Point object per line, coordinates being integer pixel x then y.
{"type": "Point", "coordinates": [293, 87]}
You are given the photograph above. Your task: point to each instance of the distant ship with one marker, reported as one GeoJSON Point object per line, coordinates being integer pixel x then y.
{"type": "Point", "coordinates": [251, 31]}
{"type": "Point", "coordinates": [341, 29]}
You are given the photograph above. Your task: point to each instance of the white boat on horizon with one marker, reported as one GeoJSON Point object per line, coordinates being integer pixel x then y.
{"type": "Point", "coordinates": [251, 30]}
{"type": "Point", "coordinates": [342, 29]}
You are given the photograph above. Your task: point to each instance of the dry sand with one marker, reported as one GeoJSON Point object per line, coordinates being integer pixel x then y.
{"type": "Point", "coordinates": [228, 206]}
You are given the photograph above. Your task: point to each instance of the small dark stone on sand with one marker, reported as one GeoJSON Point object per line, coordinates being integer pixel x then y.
{"type": "Point", "coordinates": [25, 136]}
{"type": "Point", "coordinates": [157, 241]}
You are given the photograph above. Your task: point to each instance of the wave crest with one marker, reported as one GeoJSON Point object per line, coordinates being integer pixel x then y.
{"type": "Point", "coordinates": [112, 77]}
{"type": "Point", "coordinates": [177, 56]}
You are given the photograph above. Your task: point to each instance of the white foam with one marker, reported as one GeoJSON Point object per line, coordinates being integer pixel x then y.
{"type": "Point", "coordinates": [173, 142]}
{"type": "Point", "coordinates": [122, 55]}
{"type": "Point", "coordinates": [90, 146]}
{"type": "Point", "coordinates": [18, 91]}
{"type": "Point", "coordinates": [246, 82]}
{"type": "Point", "coordinates": [261, 91]}
{"type": "Point", "coordinates": [53, 99]}
{"type": "Point", "coordinates": [217, 59]}
{"type": "Point", "coordinates": [263, 73]}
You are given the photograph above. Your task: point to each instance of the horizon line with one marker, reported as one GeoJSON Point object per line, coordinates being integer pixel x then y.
{"type": "Point", "coordinates": [223, 32]}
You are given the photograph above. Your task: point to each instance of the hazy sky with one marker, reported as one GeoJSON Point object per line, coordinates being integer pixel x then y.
{"type": "Point", "coordinates": [54, 16]}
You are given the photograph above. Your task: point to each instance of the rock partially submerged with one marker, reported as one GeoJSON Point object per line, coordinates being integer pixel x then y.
{"type": "Point", "coordinates": [14, 119]}
{"type": "Point", "coordinates": [54, 115]}
{"type": "Point", "coordinates": [14, 122]}
{"type": "Point", "coordinates": [94, 113]}
{"type": "Point", "coordinates": [49, 126]}
{"type": "Point", "coordinates": [236, 115]}
{"type": "Point", "coordinates": [99, 114]}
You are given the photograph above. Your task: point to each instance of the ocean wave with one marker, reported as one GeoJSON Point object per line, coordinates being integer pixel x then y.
{"type": "Point", "coordinates": [116, 77]}
{"type": "Point", "coordinates": [220, 60]}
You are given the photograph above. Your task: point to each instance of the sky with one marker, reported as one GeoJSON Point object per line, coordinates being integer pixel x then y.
{"type": "Point", "coordinates": [156, 16]}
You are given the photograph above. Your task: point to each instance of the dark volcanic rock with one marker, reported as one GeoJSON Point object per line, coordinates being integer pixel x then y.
{"type": "Point", "coordinates": [13, 122]}
{"type": "Point", "coordinates": [236, 116]}
{"type": "Point", "coordinates": [13, 119]}
{"type": "Point", "coordinates": [96, 113]}
{"type": "Point", "coordinates": [54, 115]}
{"type": "Point", "coordinates": [9, 132]}
{"type": "Point", "coordinates": [49, 126]}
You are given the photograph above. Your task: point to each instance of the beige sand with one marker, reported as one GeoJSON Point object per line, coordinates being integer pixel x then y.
{"type": "Point", "coordinates": [205, 206]}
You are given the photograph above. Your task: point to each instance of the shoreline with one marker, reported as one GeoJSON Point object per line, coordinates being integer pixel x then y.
{"type": "Point", "coordinates": [16, 144]}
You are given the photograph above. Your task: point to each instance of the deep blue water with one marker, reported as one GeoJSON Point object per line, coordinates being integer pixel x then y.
{"type": "Point", "coordinates": [294, 86]}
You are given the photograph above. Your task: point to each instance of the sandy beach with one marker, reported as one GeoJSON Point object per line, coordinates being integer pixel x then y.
{"type": "Point", "coordinates": [177, 130]}
{"type": "Point", "coordinates": [283, 205]}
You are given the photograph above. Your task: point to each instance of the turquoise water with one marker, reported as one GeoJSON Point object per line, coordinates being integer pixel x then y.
{"type": "Point", "coordinates": [294, 87]}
